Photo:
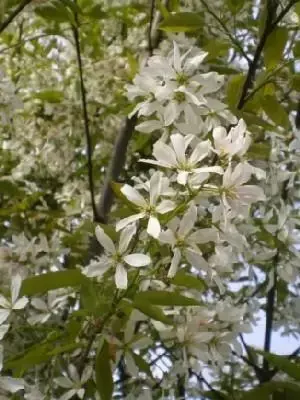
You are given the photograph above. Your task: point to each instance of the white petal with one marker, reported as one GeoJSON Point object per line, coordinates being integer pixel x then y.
{"type": "Point", "coordinates": [11, 385]}
{"type": "Point", "coordinates": [170, 113]}
{"type": "Point", "coordinates": [250, 193]}
{"type": "Point", "coordinates": [64, 381]}
{"type": "Point", "coordinates": [174, 264]}
{"type": "Point", "coordinates": [4, 315]}
{"type": "Point", "coordinates": [137, 259]}
{"type": "Point", "coordinates": [155, 187]}
{"type": "Point", "coordinates": [3, 331]}
{"type": "Point", "coordinates": [121, 277]}
{"type": "Point", "coordinates": [196, 260]}
{"type": "Point", "coordinates": [200, 152]}
{"type": "Point", "coordinates": [129, 220]}
{"type": "Point", "coordinates": [97, 268]}
{"type": "Point", "coordinates": [215, 169]}
{"type": "Point", "coordinates": [20, 304]}
{"type": "Point", "coordinates": [176, 58]}
{"type": "Point", "coordinates": [4, 303]}
{"type": "Point", "coordinates": [188, 221]}
{"type": "Point", "coordinates": [178, 143]}
{"type": "Point", "coordinates": [167, 237]}
{"type": "Point", "coordinates": [204, 235]}
{"type": "Point", "coordinates": [133, 195]}
{"type": "Point", "coordinates": [165, 206]}
{"type": "Point", "coordinates": [105, 240]}
{"type": "Point", "coordinates": [15, 287]}
{"type": "Point", "coordinates": [182, 177]}
{"type": "Point", "coordinates": [68, 395]}
{"type": "Point", "coordinates": [148, 126]}
{"type": "Point", "coordinates": [164, 154]}
{"type": "Point", "coordinates": [125, 237]}
{"type": "Point", "coordinates": [153, 227]}
{"type": "Point", "coordinates": [39, 304]}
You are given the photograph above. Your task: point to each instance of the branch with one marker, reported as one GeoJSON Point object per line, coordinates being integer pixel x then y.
{"type": "Point", "coordinates": [152, 10]}
{"type": "Point", "coordinates": [227, 31]}
{"type": "Point", "coordinates": [270, 25]}
{"type": "Point", "coordinates": [269, 318]}
{"type": "Point", "coordinates": [13, 15]}
{"type": "Point", "coordinates": [89, 149]}
{"type": "Point", "coordinates": [119, 155]}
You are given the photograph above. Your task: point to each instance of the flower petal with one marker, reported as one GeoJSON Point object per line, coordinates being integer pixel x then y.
{"type": "Point", "coordinates": [133, 195]}
{"type": "Point", "coordinates": [188, 221]}
{"type": "Point", "coordinates": [165, 206]}
{"type": "Point", "coordinates": [125, 237]}
{"type": "Point", "coordinates": [15, 287]}
{"type": "Point", "coordinates": [178, 143]}
{"type": "Point", "coordinates": [121, 277]}
{"type": "Point", "coordinates": [174, 263]}
{"type": "Point", "coordinates": [20, 304]}
{"type": "Point", "coordinates": [129, 220]}
{"type": "Point", "coordinates": [105, 240]}
{"type": "Point", "coordinates": [137, 259]}
{"type": "Point", "coordinates": [4, 315]}
{"type": "Point", "coordinates": [153, 227]}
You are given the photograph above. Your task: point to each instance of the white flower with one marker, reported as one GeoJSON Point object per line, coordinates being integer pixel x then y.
{"type": "Point", "coordinates": [8, 383]}
{"type": "Point", "coordinates": [174, 157]}
{"type": "Point", "coordinates": [184, 241]}
{"type": "Point", "coordinates": [236, 197]}
{"type": "Point", "coordinates": [74, 382]}
{"type": "Point", "coordinates": [116, 257]}
{"type": "Point", "coordinates": [46, 309]}
{"type": "Point", "coordinates": [147, 208]}
{"type": "Point", "coordinates": [8, 305]}
{"type": "Point", "coordinates": [236, 142]}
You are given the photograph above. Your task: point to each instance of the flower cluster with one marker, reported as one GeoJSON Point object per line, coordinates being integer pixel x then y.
{"type": "Point", "coordinates": [195, 201]}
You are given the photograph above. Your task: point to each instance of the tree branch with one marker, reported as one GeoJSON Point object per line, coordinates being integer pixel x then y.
{"type": "Point", "coordinates": [269, 318]}
{"type": "Point", "coordinates": [13, 15]}
{"type": "Point", "coordinates": [235, 42]}
{"type": "Point", "coordinates": [152, 10]}
{"type": "Point", "coordinates": [119, 155]}
{"type": "Point", "coordinates": [270, 25]}
{"type": "Point", "coordinates": [89, 149]}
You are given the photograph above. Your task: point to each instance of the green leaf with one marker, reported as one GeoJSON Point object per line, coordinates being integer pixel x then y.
{"type": "Point", "coordinates": [235, 5]}
{"type": "Point", "coordinates": [51, 96]}
{"type": "Point", "coordinates": [104, 379]}
{"type": "Point", "coordinates": [142, 364]}
{"type": "Point", "coordinates": [152, 312]}
{"type": "Point", "coordinates": [259, 151]}
{"type": "Point", "coordinates": [96, 12]}
{"type": "Point", "coordinates": [296, 49]}
{"type": "Point", "coordinates": [56, 12]}
{"type": "Point", "coordinates": [189, 281]}
{"type": "Point", "coordinates": [234, 90]}
{"type": "Point", "coordinates": [182, 22]}
{"type": "Point", "coordinates": [165, 298]}
{"type": "Point", "coordinates": [283, 363]}
{"type": "Point", "coordinates": [263, 391]}
{"type": "Point", "coordinates": [8, 187]}
{"type": "Point", "coordinates": [50, 281]}
{"type": "Point", "coordinates": [215, 49]}
{"type": "Point", "coordinates": [274, 47]}
{"type": "Point", "coordinates": [275, 111]}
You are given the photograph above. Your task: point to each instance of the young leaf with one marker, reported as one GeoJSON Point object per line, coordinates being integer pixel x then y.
{"type": "Point", "coordinates": [283, 363]}
{"type": "Point", "coordinates": [50, 281]}
{"type": "Point", "coordinates": [274, 47]}
{"type": "Point", "coordinates": [189, 281]}
{"type": "Point", "coordinates": [152, 312]}
{"type": "Point", "coordinates": [263, 391]}
{"type": "Point", "coordinates": [104, 379]}
{"type": "Point", "coordinates": [164, 298]}
{"type": "Point", "coordinates": [275, 111]}
{"type": "Point", "coordinates": [182, 22]}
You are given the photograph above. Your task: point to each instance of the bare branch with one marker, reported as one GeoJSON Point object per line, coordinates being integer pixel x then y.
{"type": "Point", "coordinates": [14, 14]}
{"type": "Point", "coordinates": [270, 25]}
{"type": "Point", "coordinates": [89, 148]}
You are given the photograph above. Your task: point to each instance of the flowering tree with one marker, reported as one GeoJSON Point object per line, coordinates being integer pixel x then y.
{"type": "Point", "coordinates": [147, 289]}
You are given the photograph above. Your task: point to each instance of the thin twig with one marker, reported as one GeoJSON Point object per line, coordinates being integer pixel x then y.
{"type": "Point", "coordinates": [152, 11]}
{"type": "Point", "coordinates": [13, 15]}
{"type": "Point", "coordinates": [89, 148]}
{"type": "Point", "coordinates": [270, 317]}
{"type": "Point", "coordinates": [227, 31]}
{"type": "Point", "coordinates": [119, 155]}
{"type": "Point", "coordinates": [270, 25]}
